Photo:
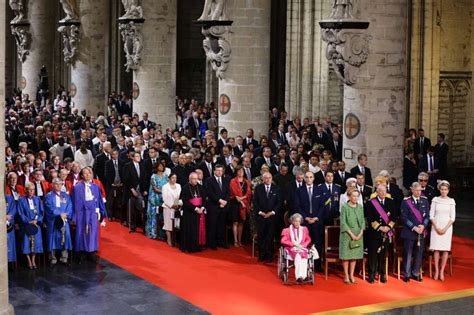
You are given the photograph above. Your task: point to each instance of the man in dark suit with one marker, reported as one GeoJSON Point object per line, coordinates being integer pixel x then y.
{"type": "Point", "coordinates": [250, 170]}
{"type": "Point", "coordinates": [266, 158]}
{"type": "Point", "coordinates": [341, 176]}
{"type": "Point", "coordinates": [194, 123]}
{"type": "Point", "coordinates": [427, 190]}
{"type": "Point", "coordinates": [149, 164]}
{"type": "Point", "coordinates": [335, 146]}
{"type": "Point", "coordinates": [415, 219]}
{"type": "Point", "coordinates": [292, 187]}
{"type": "Point", "coordinates": [330, 194]}
{"type": "Point", "coordinates": [361, 168]}
{"type": "Point", "coordinates": [70, 151]}
{"type": "Point", "coordinates": [249, 139]}
{"type": "Point", "coordinates": [226, 157]}
{"type": "Point", "coordinates": [99, 162]}
{"type": "Point", "coordinates": [441, 150]}
{"type": "Point", "coordinates": [381, 218]}
{"type": "Point", "coordinates": [239, 146]}
{"type": "Point", "coordinates": [206, 165]}
{"type": "Point", "coordinates": [114, 188]}
{"type": "Point", "coordinates": [217, 188]}
{"type": "Point", "coordinates": [182, 172]}
{"type": "Point", "coordinates": [395, 192]}
{"type": "Point", "coordinates": [363, 189]}
{"type": "Point", "coordinates": [135, 191]}
{"type": "Point", "coordinates": [429, 164]}
{"type": "Point", "coordinates": [145, 123]}
{"type": "Point", "coordinates": [47, 143]}
{"type": "Point", "coordinates": [421, 144]}
{"type": "Point", "coordinates": [410, 170]}
{"type": "Point", "coordinates": [282, 180]}
{"type": "Point", "coordinates": [320, 177]}
{"type": "Point", "coordinates": [222, 140]}
{"type": "Point", "coordinates": [320, 137]}
{"type": "Point", "coordinates": [266, 204]}
{"type": "Point", "coordinates": [310, 205]}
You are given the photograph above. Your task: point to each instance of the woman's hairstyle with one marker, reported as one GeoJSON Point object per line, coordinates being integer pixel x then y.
{"type": "Point", "coordinates": [443, 183]}
{"type": "Point", "coordinates": [296, 216]}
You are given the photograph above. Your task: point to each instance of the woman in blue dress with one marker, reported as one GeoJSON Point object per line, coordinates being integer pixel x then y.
{"type": "Point", "coordinates": [11, 212]}
{"type": "Point", "coordinates": [155, 200]}
{"type": "Point", "coordinates": [30, 209]}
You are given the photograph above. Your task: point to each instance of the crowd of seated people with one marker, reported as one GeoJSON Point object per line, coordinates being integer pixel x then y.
{"type": "Point", "coordinates": [67, 171]}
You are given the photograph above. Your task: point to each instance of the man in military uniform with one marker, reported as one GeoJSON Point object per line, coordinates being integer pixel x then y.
{"type": "Point", "coordinates": [415, 218]}
{"type": "Point", "coordinates": [381, 217]}
{"type": "Point", "coordinates": [330, 194]}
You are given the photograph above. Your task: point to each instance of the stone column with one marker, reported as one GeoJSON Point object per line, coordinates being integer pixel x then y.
{"type": "Point", "coordinates": [156, 74]}
{"type": "Point", "coordinates": [378, 97]}
{"type": "Point", "coordinates": [247, 79]}
{"type": "Point", "coordinates": [88, 71]}
{"type": "Point", "coordinates": [5, 307]}
{"type": "Point", "coordinates": [212, 86]}
{"type": "Point", "coordinates": [41, 15]}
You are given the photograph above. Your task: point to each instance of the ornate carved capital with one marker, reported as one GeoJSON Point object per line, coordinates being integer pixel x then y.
{"type": "Point", "coordinates": [22, 39]}
{"type": "Point", "coordinates": [133, 10]}
{"type": "Point", "coordinates": [70, 33]}
{"type": "Point", "coordinates": [70, 11]}
{"type": "Point", "coordinates": [347, 39]}
{"type": "Point", "coordinates": [20, 12]}
{"type": "Point", "coordinates": [132, 44]}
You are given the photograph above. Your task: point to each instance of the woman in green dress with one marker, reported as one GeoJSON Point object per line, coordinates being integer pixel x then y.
{"type": "Point", "coordinates": [351, 241]}
{"type": "Point", "coordinates": [155, 200]}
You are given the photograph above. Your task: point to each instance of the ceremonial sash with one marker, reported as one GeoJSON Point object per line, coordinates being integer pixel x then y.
{"type": "Point", "coordinates": [382, 213]}
{"type": "Point", "coordinates": [196, 201]}
{"type": "Point", "coordinates": [416, 213]}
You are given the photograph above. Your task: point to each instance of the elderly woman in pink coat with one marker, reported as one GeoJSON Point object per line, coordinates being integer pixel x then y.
{"type": "Point", "coordinates": [295, 239]}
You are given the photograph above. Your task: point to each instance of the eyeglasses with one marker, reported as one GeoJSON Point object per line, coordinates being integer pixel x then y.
{"type": "Point", "coordinates": [423, 180]}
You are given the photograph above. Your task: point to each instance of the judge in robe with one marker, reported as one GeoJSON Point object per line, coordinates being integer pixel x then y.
{"type": "Point", "coordinates": [381, 217]}
{"type": "Point", "coordinates": [42, 187]}
{"type": "Point", "coordinates": [308, 203]}
{"type": "Point", "coordinates": [415, 219]}
{"type": "Point", "coordinates": [58, 212]}
{"type": "Point", "coordinates": [295, 240]}
{"type": "Point", "coordinates": [31, 212]}
{"type": "Point", "coordinates": [12, 188]}
{"type": "Point", "coordinates": [10, 219]}
{"type": "Point", "coordinates": [192, 230]}
{"type": "Point", "coordinates": [89, 210]}
{"type": "Point", "coordinates": [267, 203]}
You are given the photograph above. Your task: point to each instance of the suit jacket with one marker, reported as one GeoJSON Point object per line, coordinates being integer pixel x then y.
{"type": "Point", "coordinates": [149, 169]}
{"type": "Point", "coordinates": [418, 149]}
{"type": "Point", "coordinates": [302, 205]}
{"type": "Point", "coordinates": [368, 174]}
{"type": "Point", "coordinates": [410, 173]}
{"type": "Point", "coordinates": [283, 182]}
{"type": "Point", "coordinates": [366, 192]}
{"type": "Point", "coordinates": [230, 171]}
{"type": "Point", "coordinates": [205, 171]}
{"type": "Point", "coordinates": [44, 146]}
{"type": "Point", "coordinates": [68, 153]}
{"type": "Point", "coordinates": [132, 180]}
{"type": "Point", "coordinates": [330, 201]}
{"type": "Point", "coordinates": [182, 173]}
{"type": "Point", "coordinates": [397, 195]}
{"type": "Point", "coordinates": [222, 161]}
{"type": "Point", "coordinates": [110, 172]}
{"type": "Point", "coordinates": [323, 139]}
{"type": "Point", "coordinates": [262, 202]}
{"type": "Point", "coordinates": [423, 164]}
{"type": "Point", "coordinates": [261, 160]}
{"type": "Point", "coordinates": [253, 172]}
{"type": "Point", "coordinates": [214, 192]}
{"type": "Point", "coordinates": [292, 195]}
{"type": "Point", "coordinates": [409, 220]}
{"type": "Point", "coordinates": [375, 221]}
{"type": "Point", "coordinates": [141, 123]}
{"type": "Point", "coordinates": [342, 182]}
{"type": "Point", "coordinates": [319, 178]}
{"type": "Point", "coordinates": [336, 151]}
{"type": "Point", "coordinates": [254, 142]}
{"type": "Point", "coordinates": [99, 166]}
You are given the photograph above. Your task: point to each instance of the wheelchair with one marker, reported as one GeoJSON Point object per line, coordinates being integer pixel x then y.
{"type": "Point", "coordinates": [285, 264]}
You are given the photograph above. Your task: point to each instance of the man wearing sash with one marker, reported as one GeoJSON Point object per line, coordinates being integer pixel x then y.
{"type": "Point", "coordinates": [30, 209]}
{"type": "Point", "coordinates": [89, 210]}
{"type": "Point", "coordinates": [381, 217]}
{"type": "Point", "coordinates": [58, 211]}
{"type": "Point", "coordinates": [415, 218]}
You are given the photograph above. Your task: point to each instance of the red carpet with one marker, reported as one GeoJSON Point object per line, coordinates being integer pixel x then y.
{"type": "Point", "coordinates": [232, 282]}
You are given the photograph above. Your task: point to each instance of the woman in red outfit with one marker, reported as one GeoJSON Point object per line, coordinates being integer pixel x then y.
{"type": "Point", "coordinates": [240, 198]}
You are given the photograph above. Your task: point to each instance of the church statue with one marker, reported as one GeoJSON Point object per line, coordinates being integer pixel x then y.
{"type": "Point", "coordinates": [342, 9]}
{"type": "Point", "coordinates": [69, 9]}
{"type": "Point", "coordinates": [17, 7]}
{"type": "Point", "coordinates": [133, 9]}
{"type": "Point", "coordinates": [214, 10]}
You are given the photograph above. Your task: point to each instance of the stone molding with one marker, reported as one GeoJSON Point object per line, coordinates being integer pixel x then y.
{"type": "Point", "coordinates": [218, 50]}
{"type": "Point", "coordinates": [20, 32]}
{"type": "Point", "coordinates": [71, 35]}
{"type": "Point", "coordinates": [132, 42]}
{"type": "Point", "coordinates": [133, 10]}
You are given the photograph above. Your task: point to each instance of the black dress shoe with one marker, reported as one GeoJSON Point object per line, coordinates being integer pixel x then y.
{"type": "Point", "coordinates": [406, 279]}
{"type": "Point", "coordinates": [383, 279]}
{"type": "Point", "coordinates": [370, 279]}
{"type": "Point", "coordinates": [417, 278]}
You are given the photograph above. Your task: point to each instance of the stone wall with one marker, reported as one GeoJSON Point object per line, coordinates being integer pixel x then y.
{"type": "Point", "coordinates": [191, 59]}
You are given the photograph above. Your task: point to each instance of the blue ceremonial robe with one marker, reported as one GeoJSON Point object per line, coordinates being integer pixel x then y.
{"type": "Point", "coordinates": [86, 216]}
{"type": "Point", "coordinates": [52, 211]}
{"type": "Point", "coordinates": [27, 215]}
{"type": "Point", "coordinates": [11, 242]}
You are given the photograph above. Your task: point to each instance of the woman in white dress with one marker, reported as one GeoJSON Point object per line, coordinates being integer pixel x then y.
{"type": "Point", "coordinates": [351, 183]}
{"type": "Point", "coordinates": [442, 214]}
{"type": "Point", "coordinates": [171, 202]}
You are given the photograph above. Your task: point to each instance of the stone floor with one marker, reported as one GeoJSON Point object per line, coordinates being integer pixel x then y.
{"type": "Point", "coordinates": [90, 289]}
{"type": "Point", "coordinates": [464, 306]}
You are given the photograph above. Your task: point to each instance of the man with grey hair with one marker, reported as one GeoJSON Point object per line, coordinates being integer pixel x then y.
{"type": "Point", "coordinates": [415, 219]}
{"type": "Point", "coordinates": [381, 216]}
{"type": "Point", "coordinates": [426, 190]}
{"type": "Point", "coordinates": [100, 160]}
{"type": "Point", "coordinates": [393, 189]}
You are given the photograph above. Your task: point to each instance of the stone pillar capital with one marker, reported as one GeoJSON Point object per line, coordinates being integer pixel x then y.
{"type": "Point", "coordinates": [132, 37]}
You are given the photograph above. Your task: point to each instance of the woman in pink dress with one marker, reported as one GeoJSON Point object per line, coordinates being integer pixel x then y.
{"type": "Point", "coordinates": [442, 215]}
{"type": "Point", "coordinates": [295, 239]}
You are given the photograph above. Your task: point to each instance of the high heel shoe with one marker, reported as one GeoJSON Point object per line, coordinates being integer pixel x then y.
{"type": "Point", "coordinates": [353, 281]}
{"type": "Point", "coordinates": [441, 277]}
{"type": "Point", "coordinates": [436, 276]}
{"type": "Point", "coordinates": [347, 281]}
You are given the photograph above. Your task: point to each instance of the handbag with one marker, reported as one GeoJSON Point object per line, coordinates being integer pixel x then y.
{"type": "Point", "coordinates": [355, 244]}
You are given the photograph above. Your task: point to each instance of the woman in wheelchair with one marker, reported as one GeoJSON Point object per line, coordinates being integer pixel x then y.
{"type": "Point", "coordinates": [295, 240]}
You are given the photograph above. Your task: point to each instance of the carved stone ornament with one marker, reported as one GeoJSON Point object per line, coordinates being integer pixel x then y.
{"type": "Point", "coordinates": [22, 39]}
{"type": "Point", "coordinates": [69, 8]}
{"type": "Point", "coordinates": [347, 41]}
{"type": "Point", "coordinates": [132, 44]}
{"type": "Point", "coordinates": [133, 10]}
{"type": "Point", "coordinates": [215, 26]}
{"type": "Point", "coordinates": [70, 34]}
{"type": "Point", "coordinates": [19, 9]}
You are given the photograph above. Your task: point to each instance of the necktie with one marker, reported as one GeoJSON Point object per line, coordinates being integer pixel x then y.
{"type": "Point", "coordinates": [430, 166]}
{"type": "Point", "coordinates": [219, 182]}
{"type": "Point", "coordinates": [117, 175]}
{"type": "Point", "coordinates": [209, 167]}
{"type": "Point", "coordinates": [362, 170]}
{"type": "Point", "coordinates": [267, 188]}
{"type": "Point", "coordinates": [247, 171]}
{"type": "Point", "coordinates": [310, 195]}
{"type": "Point", "coordinates": [342, 176]}
{"type": "Point", "coordinates": [153, 161]}
{"type": "Point", "coordinates": [138, 169]}
{"type": "Point", "coordinates": [330, 190]}
{"type": "Point", "coordinates": [422, 140]}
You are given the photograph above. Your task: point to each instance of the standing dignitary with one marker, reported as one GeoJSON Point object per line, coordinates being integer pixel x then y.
{"type": "Point", "coordinates": [10, 218]}
{"type": "Point", "coordinates": [415, 218]}
{"type": "Point", "coordinates": [266, 204]}
{"type": "Point", "coordinates": [114, 187]}
{"type": "Point", "coordinates": [134, 191]}
{"type": "Point", "coordinates": [58, 212]}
